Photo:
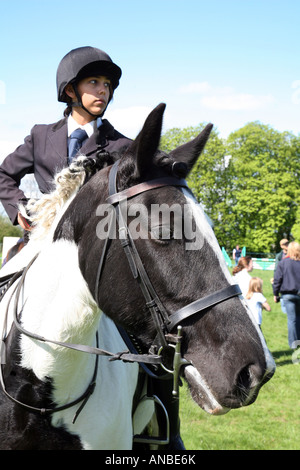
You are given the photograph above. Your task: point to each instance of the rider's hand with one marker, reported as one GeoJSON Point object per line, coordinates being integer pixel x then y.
{"type": "Point", "coordinates": [23, 222]}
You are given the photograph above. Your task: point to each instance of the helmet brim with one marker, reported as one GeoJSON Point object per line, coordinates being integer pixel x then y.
{"type": "Point", "coordinates": [104, 68]}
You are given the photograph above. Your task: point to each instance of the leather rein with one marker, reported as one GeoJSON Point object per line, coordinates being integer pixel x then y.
{"type": "Point", "coordinates": [164, 323]}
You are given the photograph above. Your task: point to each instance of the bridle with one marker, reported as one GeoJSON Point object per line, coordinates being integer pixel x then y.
{"type": "Point", "coordinates": [164, 323]}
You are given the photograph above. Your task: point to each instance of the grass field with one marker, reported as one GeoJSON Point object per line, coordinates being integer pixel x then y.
{"type": "Point", "coordinates": [273, 421]}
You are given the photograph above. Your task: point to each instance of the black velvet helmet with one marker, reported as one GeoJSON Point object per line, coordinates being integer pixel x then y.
{"type": "Point", "coordinates": [85, 62]}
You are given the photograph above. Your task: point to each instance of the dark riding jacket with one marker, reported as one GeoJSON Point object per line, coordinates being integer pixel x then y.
{"type": "Point", "coordinates": [287, 277]}
{"type": "Point", "coordinates": [44, 153]}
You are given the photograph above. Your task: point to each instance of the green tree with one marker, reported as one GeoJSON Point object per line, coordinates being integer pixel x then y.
{"type": "Point", "coordinates": [264, 169]}
{"type": "Point", "coordinates": [248, 185]}
{"type": "Point", "coordinates": [296, 226]}
{"type": "Point", "coordinates": [208, 178]}
{"type": "Point", "coordinates": [7, 229]}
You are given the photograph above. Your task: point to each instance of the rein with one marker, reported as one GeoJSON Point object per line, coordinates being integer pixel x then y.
{"type": "Point", "coordinates": [164, 323]}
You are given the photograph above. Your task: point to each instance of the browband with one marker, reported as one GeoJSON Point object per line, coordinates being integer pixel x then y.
{"type": "Point", "coordinates": [146, 186]}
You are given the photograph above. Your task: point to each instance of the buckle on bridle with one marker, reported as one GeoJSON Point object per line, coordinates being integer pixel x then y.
{"type": "Point", "coordinates": [178, 360]}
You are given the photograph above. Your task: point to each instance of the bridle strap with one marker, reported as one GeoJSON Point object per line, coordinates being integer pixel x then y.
{"type": "Point", "coordinates": [116, 197]}
{"type": "Point", "coordinates": [159, 313]}
{"type": "Point", "coordinates": [128, 193]}
{"type": "Point", "coordinates": [153, 303]}
{"type": "Point", "coordinates": [124, 356]}
{"type": "Point", "coordinates": [202, 304]}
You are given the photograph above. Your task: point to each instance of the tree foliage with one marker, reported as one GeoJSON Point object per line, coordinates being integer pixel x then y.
{"type": "Point", "coordinates": [265, 168]}
{"type": "Point", "coordinates": [248, 184]}
{"type": "Point", "coordinates": [7, 229]}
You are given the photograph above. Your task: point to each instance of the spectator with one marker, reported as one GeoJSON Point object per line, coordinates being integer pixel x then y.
{"type": "Point", "coordinates": [284, 243]}
{"type": "Point", "coordinates": [241, 273]}
{"type": "Point", "coordinates": [256, 300]}
{"type": "Point", "coordinates": [287, 284]}
{"type": "Point", "coordinates": [236, 254]}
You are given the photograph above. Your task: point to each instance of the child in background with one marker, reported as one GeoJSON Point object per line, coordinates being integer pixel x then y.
{"type": "Point", "coordinates": [241, 273]}
{"type": "Point", "coordinates": [256, 300]}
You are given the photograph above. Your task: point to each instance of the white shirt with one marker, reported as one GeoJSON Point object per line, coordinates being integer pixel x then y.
{"type": "Point", "coordinates": [89, 128]}
{"type": "Point", "coordinates": [255, 305]}
{"type": "Point", "coordinates": [242, 278]}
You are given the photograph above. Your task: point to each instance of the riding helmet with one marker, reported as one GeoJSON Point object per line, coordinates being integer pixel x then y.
{"type": "Point", "coordinates": [85, 62]}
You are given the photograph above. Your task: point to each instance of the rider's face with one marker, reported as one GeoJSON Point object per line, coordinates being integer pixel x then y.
{"type": "Point", "coordinates": [94, 93]}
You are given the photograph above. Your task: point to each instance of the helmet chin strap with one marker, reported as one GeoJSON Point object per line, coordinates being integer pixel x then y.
{"type": "Point", "coordinates": [79, 104]}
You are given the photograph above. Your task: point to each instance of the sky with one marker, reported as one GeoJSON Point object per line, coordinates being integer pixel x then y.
{"type": "Point", "coordinates": [228, 62]}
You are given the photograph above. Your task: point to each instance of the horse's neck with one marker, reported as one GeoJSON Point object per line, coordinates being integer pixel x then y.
{"type": "Point", "coordinates": [58, 306]}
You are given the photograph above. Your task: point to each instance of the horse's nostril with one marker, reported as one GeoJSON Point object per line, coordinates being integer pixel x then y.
{"type": "Point", "coordinates": [248, 380]}
{"type": "Point", "coordinates": [244, 379]}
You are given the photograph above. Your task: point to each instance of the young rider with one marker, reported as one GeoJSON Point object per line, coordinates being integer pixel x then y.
{"type": "Point", "coordinates": [86, 81]}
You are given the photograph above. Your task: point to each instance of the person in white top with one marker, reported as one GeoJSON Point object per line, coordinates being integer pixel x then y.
{"type": "Point", "coordinates": [241, 273]}
{"type": "Point", "coordinates": [256, 300]}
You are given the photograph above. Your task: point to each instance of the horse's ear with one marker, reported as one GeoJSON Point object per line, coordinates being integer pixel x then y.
{"type": "Point", "coordinates": [188, 153]}
{"type": "Point", "coordinates": [146, 144]}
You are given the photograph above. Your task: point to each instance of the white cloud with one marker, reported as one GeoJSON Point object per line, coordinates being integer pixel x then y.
{"type": "Point", "coordinates": [226, 98]}
{"type": "Point", "coordinates": [196, 87]}
{"type": "Point", "coordinates": [129, 121]}
{"type": "Point", "coordinates": [236, 101]}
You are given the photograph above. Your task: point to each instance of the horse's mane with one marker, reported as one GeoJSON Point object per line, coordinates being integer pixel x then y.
{"type": "Point", "coordinates": [43, 212]}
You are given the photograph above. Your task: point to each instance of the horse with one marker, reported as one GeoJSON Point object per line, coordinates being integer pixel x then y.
{"type": "Point", "coordinates": [70, 373]}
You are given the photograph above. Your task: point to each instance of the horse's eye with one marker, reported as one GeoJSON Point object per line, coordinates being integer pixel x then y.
{"type": "Point", "coordinates": [162, 232]}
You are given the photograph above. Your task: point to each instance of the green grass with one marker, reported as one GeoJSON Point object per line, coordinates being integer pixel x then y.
{"type": "Point", "coordinates": [272, 422]}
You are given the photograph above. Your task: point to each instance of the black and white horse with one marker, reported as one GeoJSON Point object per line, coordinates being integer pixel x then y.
{"type": "Point", "coordinates": [104, 246]}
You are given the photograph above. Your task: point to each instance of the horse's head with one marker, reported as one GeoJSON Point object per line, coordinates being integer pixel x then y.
{"type": "Point", "coordinates": [228, 358]}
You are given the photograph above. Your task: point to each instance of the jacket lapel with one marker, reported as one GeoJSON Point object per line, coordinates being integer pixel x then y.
{"type": "Point", "coordinates": [89, 146]}
{"type": "Point", "coordinates": [58, 138]}
{"type": "Point", "coordinates": [98, 140]}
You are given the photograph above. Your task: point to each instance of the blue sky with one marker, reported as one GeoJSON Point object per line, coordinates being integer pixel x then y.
{"type": "Point", "coordinates": [224, 61]}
